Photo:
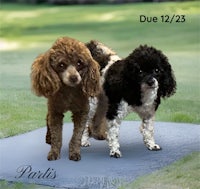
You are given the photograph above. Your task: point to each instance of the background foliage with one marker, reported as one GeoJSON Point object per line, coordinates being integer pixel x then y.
{"type": "Point", "coordinates": [62, 2]}
{"type": "Point", "coordinates": [27, 31]}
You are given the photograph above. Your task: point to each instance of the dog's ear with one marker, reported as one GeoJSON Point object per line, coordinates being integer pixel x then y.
{"type": "Point", "coordinates": [91, 79]}
{"type": "Point", "coordinates": [168, 83]}
{"type": "Point", "coordinates": [44, 80]}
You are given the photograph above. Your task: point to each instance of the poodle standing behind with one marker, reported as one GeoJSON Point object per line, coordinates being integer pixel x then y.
{"type": "Point", "coordinates": [136, 83]}
{"type": "Point", "coordinates": [67, 76]}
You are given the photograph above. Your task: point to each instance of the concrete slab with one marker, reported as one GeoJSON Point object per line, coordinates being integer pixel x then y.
{"type": "Point", "coordinates": [23, 157]}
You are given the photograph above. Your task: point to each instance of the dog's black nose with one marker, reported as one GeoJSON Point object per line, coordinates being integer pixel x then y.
{"type": "Point", "coordinates": [73, 79]}
{"type": "Point", "coordinates": [151, 81]}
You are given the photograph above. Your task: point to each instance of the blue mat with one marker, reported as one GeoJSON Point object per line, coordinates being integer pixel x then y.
{"type": "Point", "coordinates": [23, 157]}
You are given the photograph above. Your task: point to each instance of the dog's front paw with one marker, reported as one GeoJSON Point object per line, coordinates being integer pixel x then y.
{"type": "Point", "coordinates": [115, 154]}
{"type": "Point", "coordinates": [53, 155]}
{"type": "Point", "coordinates": [85, 143]}
{"type": "Point", "coordinates": [154, 147]}
{"type": "Point", "coordinates": [75, 156]}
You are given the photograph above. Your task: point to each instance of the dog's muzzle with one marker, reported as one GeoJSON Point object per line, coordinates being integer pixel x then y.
{"type": "Point", "coordinates": [71, 76]}
{"type": "Point", "coordinates": [150, 82]}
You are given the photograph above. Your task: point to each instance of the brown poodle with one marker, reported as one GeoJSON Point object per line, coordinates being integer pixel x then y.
{"type": "Point", "coordinates": [67, 76]}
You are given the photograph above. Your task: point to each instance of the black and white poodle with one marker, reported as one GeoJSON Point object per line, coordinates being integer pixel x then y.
{"type": "Point", "coordinates": [133, 84]}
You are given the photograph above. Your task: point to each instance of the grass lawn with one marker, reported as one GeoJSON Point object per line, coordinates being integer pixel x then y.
{"type": "Point", "coordinates": [28, 30]}
{"type": "Point", "coordinates": [183, 174]}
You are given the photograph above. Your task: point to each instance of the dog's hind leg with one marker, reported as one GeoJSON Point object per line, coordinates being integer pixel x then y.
{"type": "Point", "coordinates": [85, 137]}
{"type": "Point", "coordinates": [147, 131]}
{"type": "Point", "coordinates": [96, 125]}
{"type": "Point", "coordinates": [93, 101]}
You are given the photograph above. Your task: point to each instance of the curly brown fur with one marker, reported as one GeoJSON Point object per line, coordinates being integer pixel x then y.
{"type": "Point", "coordinates": [67, 76]}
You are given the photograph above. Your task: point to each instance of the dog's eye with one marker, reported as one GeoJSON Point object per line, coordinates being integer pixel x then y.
{"type": "Point", "coordinates": [61, 65]}
{"type": "Point", "coordinates": [80, 65]}
{"type": "Point", "coordinates": [140, 72]}
{"type": "Point", "coordinates": [156, 70]}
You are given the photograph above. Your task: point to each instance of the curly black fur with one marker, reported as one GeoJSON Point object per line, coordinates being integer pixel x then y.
{"type": "Point", "coordinates": [124, 78]}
